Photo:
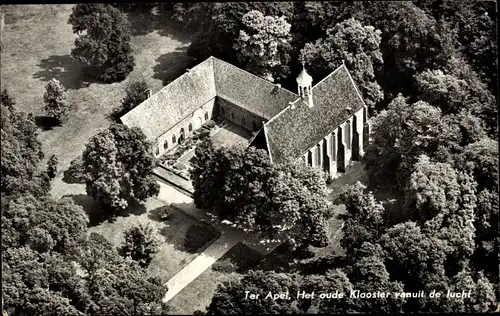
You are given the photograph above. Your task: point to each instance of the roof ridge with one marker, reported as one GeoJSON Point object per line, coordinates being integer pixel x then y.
{"type": "Point", "coordinates": [168, 84]}
{"type": "Point", "coordinates": [281, 112]}
{"type": "Point", "coordinates": [336, 69]}
{"type": "Point", "coordinates": [259, 78]}
{"type": "Point", "coordinates": [267, 143]}
{"type": "Point", "coordinates": [185, 73]}
{"type": "Point", "coordinates": [355, 87]}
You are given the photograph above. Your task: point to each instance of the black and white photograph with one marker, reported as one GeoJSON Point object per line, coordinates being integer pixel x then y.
{"type": "Point", "coordinates": [228, 158]}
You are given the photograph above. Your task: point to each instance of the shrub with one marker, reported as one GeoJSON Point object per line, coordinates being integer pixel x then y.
{"type": "Point", "coordinates": [225, 266]}
{"type": "Point", "coordinates": [204, 134]}
{"type": "Point", "coordinates": [164, 213]}
{"type": "Point", "coordinates": [52, 166]}
{"type": "Point", "coordinates": [210, 124]}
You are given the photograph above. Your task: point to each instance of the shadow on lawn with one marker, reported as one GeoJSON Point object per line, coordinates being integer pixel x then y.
{"type": "Point", "coordinates": [98, 213]}
{"type": "Point", "coordinates": [46, 123]}
{"type": "Point", "coordinates": [171, 65]}
{"type": "Point", "coordinates": [199, 236]}
{"type": "Point", "coordinates": [144, 21]}
{"type": "Point", "coordinates": [69, 71]}
{"type": "Point", "coordinates": [239, 259]}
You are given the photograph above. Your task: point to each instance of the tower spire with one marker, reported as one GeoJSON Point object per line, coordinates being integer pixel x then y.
{"type": "Point", "coordinates": [304, 82]}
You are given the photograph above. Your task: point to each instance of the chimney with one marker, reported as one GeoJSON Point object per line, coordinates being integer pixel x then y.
{"type": "Point", "coordinates": [278, 85]}
{"type": "Point", "coordinates": [188, 69]}
{"type": "Point", "coordinates": [148, 93]}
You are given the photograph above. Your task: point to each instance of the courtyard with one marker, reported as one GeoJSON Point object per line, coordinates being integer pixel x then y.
{"type": "Point", "coordinates": [175, 171]}
{"type": "Point", "coordinates": [228, 135]}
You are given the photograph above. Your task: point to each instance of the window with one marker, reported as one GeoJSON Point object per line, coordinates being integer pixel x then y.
{"type": "Point", "coordinates": [165, 144]}
{"type": "Point", "coordinates": [348, 134]}
{"type": "Point", "coordinates": [243, 121]}
{"type": "Point", "coordinates": [222, 111]}
{"type": "Point", "coordinates": [232, 116]}
{"type": "Point", "coordinates": [318, 155]}
{"type": "Point", "coordinates": [206, 116]}
{"type": "Point", "coordinates": [174, 140]}
{"type": "Point", "coordinates": [334, 147]}
{"type": "Point", "coordinates": [190, 127]}
{"type": "Point", "coordinates": [157, 151]}
{"type": "Point", "coordinates": [254, 124]}
{"type": "Point", "coordinates": [310, 158]}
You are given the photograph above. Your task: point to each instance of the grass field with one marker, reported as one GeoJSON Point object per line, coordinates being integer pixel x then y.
{"type": "Point", "coordinates": [37, 43]}
{"type": "Point", "coordinates": [198, 294]}
{"type": "Point", "coordinates": [173, 254]}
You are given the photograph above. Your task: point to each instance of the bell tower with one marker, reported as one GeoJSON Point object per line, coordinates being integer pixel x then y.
{"type": "Point", "coordinates": [304, 83]}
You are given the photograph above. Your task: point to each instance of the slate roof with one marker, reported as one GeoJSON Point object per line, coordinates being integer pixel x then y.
{"type": "Point", "coordinates": [213, 77]}
{"type": "Point", "coordinates": [287, 133]}
{"type": "Point", "coordinates": [250, 92]}
{"type": "Point", "coordinates": [294, 131]}
{"type": "Point", "coordinates": [175, 101]}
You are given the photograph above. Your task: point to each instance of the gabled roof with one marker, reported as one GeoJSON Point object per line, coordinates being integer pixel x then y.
{"type": "Point", "coordinates": [294, 131]}
{"type": "Point", "coordinates": [250, 92]}
{"type": "Point", "coordinates": [175, 101]}
{"type": "Point", "coordinates": [290, 131]}
{"type": "Point", "coordinates": [213, 77]}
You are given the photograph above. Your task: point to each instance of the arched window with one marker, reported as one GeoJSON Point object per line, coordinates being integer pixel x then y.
{"type": "Point", "coordinates": [165, 144]}
{"type": "Point", "coordinates": [206, 116]}
{"type": "Point", "coordinates": [348, 134]}
{"type": "Point", "coordinates": [157, 151]}
{"type": "Point", "coordinates": [334, 147]}
{"type": "Point", "coordinates": [174, 140]}
{"type": "Point", "coordinates": [318, 155]}
{"type": "Point", "coordinates": [181, 136]}
{"type": "Point", "coordinates": [190, 127]}
{"type": "Point", "coordinates": [310, 158]}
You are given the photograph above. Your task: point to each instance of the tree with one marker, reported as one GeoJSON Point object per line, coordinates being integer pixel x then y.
{"type": "Point", "coordinates": [7, 100]}
{"type": "Point", "coordinates": [218, 25]}
{"type": "Point", "coordinates": [458, 88]}
{"type": "Point", "coordinates": [287, 202]}
{"type": "Point", "coordinates": [231, 298]}
{"type": "Point", "coordinates": [140, 244]}
{"type": "Point", "coordinates": [402, 133]}
{"type": "Point", "coordinates": [475, 25]}
{"type": "Point", "coordinates": [36, 284]}
{"type": "Point", "coordinates": [103, 44]}
{"type": "Point", "coordinates": [263, 45]}
{"type": "Point", "coordinates": [135, 95]}
{"type": "Point", "coordinates": [363, 221]}
{"type": "Point", "coordinates": [356, 45]}
{"type": "Point", "coordinates": [116, 285]}
{"type": "Point", "coordinates": [409, 44]}
{"type": "Point", "coordinates": [76, 172]}
{"type": "Point", "coordinates": [118, 166]}
{"type": "Point", "coordinates": [55, 98]}
{"type": "Point", "coordinates": [52, 166]}
{"type": "Point", "coordinates": [445, 201]}
{"type": "Point", "coordinates": [20, 155]}
{"type": "Point", "coordinates": [43, 224]}
{"type": "Point", "coordinates": [333, 280]}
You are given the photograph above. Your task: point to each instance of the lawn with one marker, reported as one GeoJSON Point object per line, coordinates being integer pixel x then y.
{"type": "Point", "coordinates": [174, 252]}
{"type": "Point", "coordinates": [198, 294]}
{"type": "Point", "coordinates": [37, 43]}
{"type": "Point", "coordinates": [231, 135]}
